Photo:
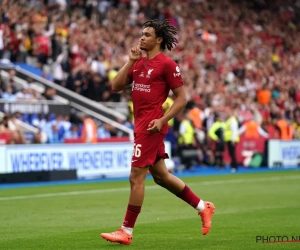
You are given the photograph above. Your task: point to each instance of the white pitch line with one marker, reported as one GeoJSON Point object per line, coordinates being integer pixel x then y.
{"type": "Point", "coordinates": [112, 190]}
{"type": "Point", "coordinates": [287, 177]}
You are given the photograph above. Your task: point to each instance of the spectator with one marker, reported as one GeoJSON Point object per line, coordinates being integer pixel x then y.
{"type": "Point", "coordinates": [264, 95]}
{"type": "Point", "coordinates": [103, 131]}
{"type": "Point", "coordinates": [65, 123]}
{"type": "Point", "coordinates": [186, 140]}
{"type": "Point", "coordinates": [58, 73]}
{"type": "Point", "coordinates": [9, 82]}
{"type": "Point", "coordinates": [89, 129]}
{"type": "Point", "coordinates": [252, 129]}
{"type": "Point", "coordinates": [39, 122]}
{"type": "Point", "coordinates": [243, 57]}
{"type": "Point", "coordinates": [53, 135]}
{"type": "Point", "coordinates": [9, 126]}
{"type": "Point", "coordinates": [4, 128]}
{"type": "Point", "coordinates": [296, 125]}
{"type": "Point", "coordinates": [216, 133]}
{"type": "Point", "coordinates": [73, 133]}
{"type": "Point", "coordinates": [8, 95]}
{"type": "Point", "coordinates": [25, 94]}
{"type": "Point", "coordinates": [40, 138]}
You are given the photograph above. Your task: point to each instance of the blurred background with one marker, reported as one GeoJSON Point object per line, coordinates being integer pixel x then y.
{"type": "Point", "coordinates": [237, 58]}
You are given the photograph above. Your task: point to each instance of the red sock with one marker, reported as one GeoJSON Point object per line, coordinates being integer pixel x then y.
{"type": "Point", "coordinates": [131, 215]}
{"type": "Point", "coordinates": [189, 197]}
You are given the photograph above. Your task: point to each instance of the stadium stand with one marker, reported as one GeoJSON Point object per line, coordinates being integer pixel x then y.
{"type": "Point", "coordinates": [246, 58]}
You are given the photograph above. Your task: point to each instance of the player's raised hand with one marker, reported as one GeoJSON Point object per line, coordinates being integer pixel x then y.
{"type": "Point", "coordinates": [135, 53]}
{"type": "Point", "coordinates": [155, 126]}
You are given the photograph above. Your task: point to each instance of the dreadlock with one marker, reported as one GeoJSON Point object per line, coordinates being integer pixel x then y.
{"type": "Point", "coordinates": [165, 31]}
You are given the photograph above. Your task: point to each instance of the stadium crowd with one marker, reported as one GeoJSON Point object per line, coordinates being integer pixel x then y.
{"type": "Point", "coordinates": [246, 58]}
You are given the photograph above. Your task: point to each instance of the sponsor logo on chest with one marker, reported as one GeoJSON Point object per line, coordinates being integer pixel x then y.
{"type": "Point", "coordinates": [141, 87]}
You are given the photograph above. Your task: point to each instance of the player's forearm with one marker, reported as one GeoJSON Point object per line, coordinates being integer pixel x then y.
{"type": "Point", "coordinates": [119, 82]}
{"type": "Point", "coordinates": [177, 106]}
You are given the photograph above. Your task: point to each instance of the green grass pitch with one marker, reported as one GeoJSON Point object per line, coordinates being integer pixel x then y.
{"type": "Point", "coordinates": [72, 216]}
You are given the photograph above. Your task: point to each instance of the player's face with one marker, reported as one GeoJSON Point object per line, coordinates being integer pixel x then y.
{"type": "Point", "coordinates": [149, 40]}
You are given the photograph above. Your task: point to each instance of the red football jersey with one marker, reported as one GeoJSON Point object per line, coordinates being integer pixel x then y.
{"type": "Point", "coordinates": [43, 44]}
{"type": "Point", "coordinates": [152, 81]}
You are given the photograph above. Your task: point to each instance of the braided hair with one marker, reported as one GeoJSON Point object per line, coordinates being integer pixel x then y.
{"type": "Point", "coordinates": [165, 31]}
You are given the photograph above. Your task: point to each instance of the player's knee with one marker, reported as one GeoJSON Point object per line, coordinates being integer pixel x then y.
{"type": "Point", "coordinates": [161, 180]}
{"type": "Point", "coordinates": [136, 181]}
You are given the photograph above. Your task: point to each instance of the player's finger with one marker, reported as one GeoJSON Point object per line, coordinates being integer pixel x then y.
{"type": "Point", "coordinates": [151, 123]}
{"type": "Point", "coordinates": [153, 128]}
{"type": "Point", "coordinates": [136, 52]}
{"type": "Point", "coordinates": [150, 129]}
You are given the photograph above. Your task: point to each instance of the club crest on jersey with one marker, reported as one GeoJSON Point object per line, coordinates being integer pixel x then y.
{"type": "Point", "coordinates": [149, 73]}
{"type": "Point", "coordinates": [178, 72]}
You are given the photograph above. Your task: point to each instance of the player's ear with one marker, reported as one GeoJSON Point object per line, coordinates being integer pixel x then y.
{"type": "Point", "coordinates": [159, 40]}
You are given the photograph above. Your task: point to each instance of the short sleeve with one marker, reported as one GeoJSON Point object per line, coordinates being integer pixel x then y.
{"type": "Point", "coordinates": [172, 74]}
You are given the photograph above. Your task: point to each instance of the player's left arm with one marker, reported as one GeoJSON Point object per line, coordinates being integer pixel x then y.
{"type": "Point", "coordinates": [179, 103]}
{"type": "Point", "coordinates": [175, 83]}
{"type": "Point", "coordinates": [177, 106]}
{"type": "Point", "coordinates": [174, 80]}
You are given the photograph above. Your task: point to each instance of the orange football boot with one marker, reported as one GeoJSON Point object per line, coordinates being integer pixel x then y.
{"type": "Point", "coordinates": [119, 236]}
{"type": "Point", "coordinates": [206, 214]}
